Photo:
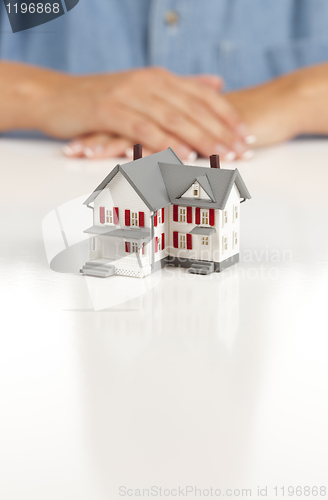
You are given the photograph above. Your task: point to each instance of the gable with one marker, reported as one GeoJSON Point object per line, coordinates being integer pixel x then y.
{"type": "Point", "coordinates": [190, 192]}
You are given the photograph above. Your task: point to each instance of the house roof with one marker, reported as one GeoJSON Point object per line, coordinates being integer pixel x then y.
{"type": "Point", "coordinates": [161, 179]}
{"type": "Point", "coordinates": [145, 177]}
{"type": "Point", "coordinates": [207, 231]}
{"type": "Point", "coordinates": [132, 234]}
{"type": "Point", "coordinates": [178, 180]}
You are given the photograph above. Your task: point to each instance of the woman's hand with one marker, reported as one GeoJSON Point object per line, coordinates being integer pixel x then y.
{"type": "Point", "coordinates": [294, 104]}
{"type": "Point", "coordinates": [150, 106]}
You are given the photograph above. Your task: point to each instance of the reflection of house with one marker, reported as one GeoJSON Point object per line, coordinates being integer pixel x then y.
{"type": "Point", "coordinates": [156, 210]}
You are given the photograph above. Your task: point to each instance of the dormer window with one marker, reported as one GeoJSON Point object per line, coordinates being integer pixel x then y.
{"type": "Point", "coordinates": [195, 190]}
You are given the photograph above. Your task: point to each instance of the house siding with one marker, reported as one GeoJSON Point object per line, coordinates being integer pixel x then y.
{"type": "Point", "coordinates": [119, 193]}
{"type": "Point", "coordinates": [214, 251]}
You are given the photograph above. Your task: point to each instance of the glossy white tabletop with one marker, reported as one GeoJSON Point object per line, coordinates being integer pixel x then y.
{"type": "Point", "coordinates": [176, 380]}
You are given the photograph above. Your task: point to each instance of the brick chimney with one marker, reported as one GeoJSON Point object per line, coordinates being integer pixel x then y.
{"type": "Point", "coordinates": [137, 152]}
{"type": "Point", "coordinates": [215, 161]}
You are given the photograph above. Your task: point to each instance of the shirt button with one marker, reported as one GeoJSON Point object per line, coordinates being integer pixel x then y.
{"type": "Point", "coordinates": [171, 17]}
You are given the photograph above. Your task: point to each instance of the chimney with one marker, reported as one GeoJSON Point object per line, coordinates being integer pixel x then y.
{"type": "Point", "coordinates": [137, 152]}
{"type": "Point", "coordinates": [215, 161]}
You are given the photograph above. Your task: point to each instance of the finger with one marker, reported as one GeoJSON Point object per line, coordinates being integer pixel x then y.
{"type": "Point", "coordinates": [98, 145]}
{"type": "Point", "coordinates": [215, 102]}
{"type": "Point", "coordinates": [219, 140]}
{"type": "Point", "coordinates": [139, 128]}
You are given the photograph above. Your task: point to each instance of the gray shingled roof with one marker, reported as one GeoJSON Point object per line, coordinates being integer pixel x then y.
{"type": "Point", "coordinates": [207, 231]}
{"type": "Point", "coordinates": [203, 181]}
{"type": "Point", "coordinates": [145, 177]}
{"type": "Point", "coordinates": [161, 179]}
{"type": "Point", "coordinates": [178, 180]}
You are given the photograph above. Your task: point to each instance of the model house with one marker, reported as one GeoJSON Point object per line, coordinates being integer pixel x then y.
{"type": "Point", "coordinates": [155, 211]}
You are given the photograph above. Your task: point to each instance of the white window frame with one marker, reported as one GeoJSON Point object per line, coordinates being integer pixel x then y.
{"type": "Point", "coordinates": [182, 214]}
{"type": "Point", "coordinates": [195, 190]}
{"type": "Point", "coordinates": [224, 217]}
{"type": "Point", "coordinates": [234, 239]}
{"type": "Point", "coordinates": [182, 241]}
{"type": "Point", "coordinates": [205, 217]}
{"type": "Point", "coordinates": [205, 241]}
{"type": "Point", "coordinates": [134, 247]}
{"type": "Point", "coordinates": [235, 213]}
{"type": "Point", "coordinates": [135, 219]}
{"type": "Point", "coordinates": [159, 217]}
{"type": "Point", "coordinates": [159, 243]}
{"type": "Point", "coordinates": [224, 244]}
{"type": "Point", "coordinates": [109, 216]}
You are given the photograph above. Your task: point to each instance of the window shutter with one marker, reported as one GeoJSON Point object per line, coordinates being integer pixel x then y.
{"type": "Point", "coordinates": [163, 214]}
{"type": "Point", "coordinates": [115, 215]}
{"type": "Point", "coordinates": [156, 244]}
{"type": "Point", "coordinates": [189, 215]}
{"type": "Point", "coordinates": [155, 219]}
{"type": "Point", "coordinates": [141, 219]}
{"type": "Point", "coordinates": [102, 215]}
{"type": "Point", "coordinates": [197, 217]}
{"type": "Point", "coordinates": [163, 241]}
{"type": "Point", "coordinates": [127, 217]}
{"type": "Point", "coordinates": [175, 213]}
{"type": "Point", "coordinates": [128, 247]}
{"type": "Point", "coordinates": [212, 217]}
{"type": "Point", "coordinates": [189, 241]}
{"type": "Point", "coordinates": [175, 239]}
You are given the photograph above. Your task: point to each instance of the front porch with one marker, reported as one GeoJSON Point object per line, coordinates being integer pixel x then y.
{"type": "Point", "coordinates": [122, 249]}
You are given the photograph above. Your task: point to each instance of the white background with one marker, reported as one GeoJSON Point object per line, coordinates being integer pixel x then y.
{"type": "Point", "coordinates": [210, 381]}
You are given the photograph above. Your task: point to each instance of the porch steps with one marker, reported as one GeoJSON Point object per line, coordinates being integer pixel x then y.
{"type": "Point", "coordinates": [201, 267]}
{"type": "Point", "coordinates": [99, 268]}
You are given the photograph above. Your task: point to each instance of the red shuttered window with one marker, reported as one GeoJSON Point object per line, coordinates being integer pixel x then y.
{"type": "Point", "coordinates": [128, 247]}
{"type": "Point", "coordinates": [189, 242]}
{"type": "Point", "coordinates": [212, 217]}
{"type": "Point", "coordinates": [197, 216]}
{"type": "Point", "coordinates": [162, 215]}
{"type": "Point", "coordinates": [115, 215]}
{"type": "Point", "coordinates": [189, 215]}
{"type": "Point", "coordinates": [102, 215]}
{"type": "Point", "coordinates": [155, 219]}
{"type": "Point", "coordinates": [156, 244]}
{"type": "Point", "coordinates": [175, 239]}
{"type": "Point", "coordinates": [127, 217]}
{"type": "Point", "coordinates": [175, 213]}
{"type": "Point", "coordinates": [163, 241]}
{"type": "Point", "coordinates": [141, 219]}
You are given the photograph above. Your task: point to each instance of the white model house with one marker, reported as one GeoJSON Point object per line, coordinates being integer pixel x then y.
{"type": "Point", "coordinates": [155, 211]}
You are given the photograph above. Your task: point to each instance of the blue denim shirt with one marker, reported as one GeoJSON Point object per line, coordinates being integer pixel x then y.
{"type": "Point", "coordinates": [245, 41]}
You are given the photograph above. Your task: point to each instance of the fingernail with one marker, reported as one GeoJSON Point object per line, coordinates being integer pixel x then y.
{"type": "Point", "coordinates": [192, 156]}
{"type": "Point", "coordinates": [250, 139]}
{"type": "Point", "coordinates": [89, 153]}
{"type": "Point", "coordinates": [239, 147]}
{"type": "Point", "coordinates": [183, 152]}
{"type": "Point", "coordinates": [225, 153]}
{"type": "Point", "coordinates": [243, 130]}
{"type": "Point", "coordinates": [231, 156]}
{"type": "Point", "coordinates": [72, 148]}
{"type": "Point", "coordinates": [94, 152]}
{"type": "Point", "coordinates": [248, 155]}
{"type": "Point", "coordinates": [129, 153]}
